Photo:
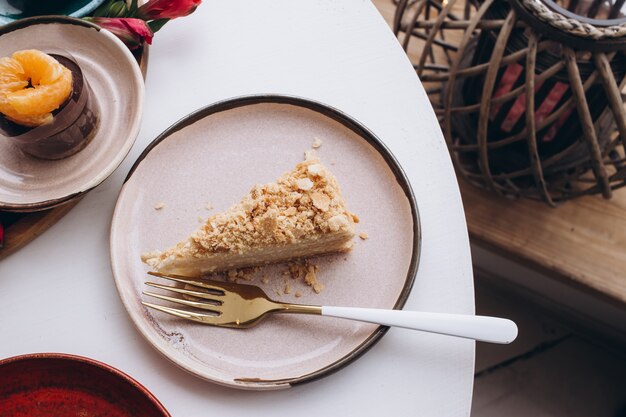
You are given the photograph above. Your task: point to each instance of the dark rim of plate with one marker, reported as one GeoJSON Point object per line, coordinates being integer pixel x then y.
{"type": "Point", "coordinates": [92, 363]}
{"type": "Point", "coordinates": [362, 132]}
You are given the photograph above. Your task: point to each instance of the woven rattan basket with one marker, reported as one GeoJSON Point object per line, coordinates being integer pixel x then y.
{"type": "Point", "coordinates": [528, 92]}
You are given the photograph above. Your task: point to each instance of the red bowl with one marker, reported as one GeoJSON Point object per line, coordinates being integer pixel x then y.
{"type": "Point", "coordinates": [60, 385]}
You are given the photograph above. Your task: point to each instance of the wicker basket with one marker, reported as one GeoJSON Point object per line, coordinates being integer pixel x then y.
{"type": "Point", "coordinates": [528, 92]}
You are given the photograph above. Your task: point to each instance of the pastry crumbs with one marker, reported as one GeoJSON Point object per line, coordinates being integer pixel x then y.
{"type": "Point", "coordinates": [246, 274]}
{"type": "Point", "coordinates": [306, 271]}
{"type": "Point", "coordinates": [232, 275]}
{"type": "Point", "coordinates": [303, 202]}
{"type": "Point", "coordinates": [159, 206]}
{"type": "Point", "coordinates": [310, 278]}
{"type": "Point", "coordinates": [363, 235]}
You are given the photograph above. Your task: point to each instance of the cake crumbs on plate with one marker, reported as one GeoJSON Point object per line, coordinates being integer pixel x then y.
{"type": "Point", "coordinates": [287, 289]}
{"type": "Point", "coordinates": [265, 279]}
{"type": "Point", "coordinates": [306, 271]}
{"type": "Point", "coordinates": [159, 206]}
{"type": "Point", "coordinates": [310, 278]}
{"type": "Point", "coordinates": [232, 275]}
{"type": "Point", "coordinates": [298, 294]}
{"type": "Point", "coordinates": [246, 274]}
{"type": "Point", "coordinates": [363, 236]}
{"type": "Point", "coordinates": [317, 142]}
{"type": "Point", "coordinates": [209, 207]}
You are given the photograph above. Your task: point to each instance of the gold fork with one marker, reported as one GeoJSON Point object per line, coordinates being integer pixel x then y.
{"type": "Point", "coordinates": [228, 304]}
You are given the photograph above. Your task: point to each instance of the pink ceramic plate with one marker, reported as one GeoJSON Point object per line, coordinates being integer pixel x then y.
{"type": "Point", "coordinates": [214, 156]}
{"type": "Point", "coordinates": [30, 184]}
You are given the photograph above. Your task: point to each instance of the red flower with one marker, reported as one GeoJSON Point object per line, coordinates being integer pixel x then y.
{"type": "Point", "coordinates": [133, 32]}
{"type": "Point", "coordinates": [167, 9]}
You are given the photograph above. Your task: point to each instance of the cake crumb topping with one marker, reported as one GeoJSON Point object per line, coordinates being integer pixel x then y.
{"type": "Point", "coordinates": [321, 201]}
{"type": "Point", "coordinates": [304, 202]}
{"type": "Point", "coordinates": [304, 184]}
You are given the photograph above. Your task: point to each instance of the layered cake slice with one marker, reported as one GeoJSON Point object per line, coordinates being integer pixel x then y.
{"type": "Point", "coordinates": [302, 214]}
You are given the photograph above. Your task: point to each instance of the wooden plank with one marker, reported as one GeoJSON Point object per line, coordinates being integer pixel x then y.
{"type": "Point", "coordinates": [32, 225]}
{"type": "Point", "coordinates": [582, 242]}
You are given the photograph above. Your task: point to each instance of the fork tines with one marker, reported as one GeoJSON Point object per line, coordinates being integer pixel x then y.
{"type": "Point", "coordinates": [197, 294]}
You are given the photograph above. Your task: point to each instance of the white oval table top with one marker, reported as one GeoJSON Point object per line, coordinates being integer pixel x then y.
{"type": "Point", "coordinates": [58, 295]}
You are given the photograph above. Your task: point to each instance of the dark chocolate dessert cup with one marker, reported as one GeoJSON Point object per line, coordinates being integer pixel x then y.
{"type": "Point", "coordinates": [74, 125]}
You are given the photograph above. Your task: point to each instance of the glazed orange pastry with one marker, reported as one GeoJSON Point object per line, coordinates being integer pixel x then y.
{"type": "Point", "coordinates": [46, 105]}
{"type": "Point", "coordinates": [32, 85]}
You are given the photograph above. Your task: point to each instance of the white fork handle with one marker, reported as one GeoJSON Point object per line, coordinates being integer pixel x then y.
{"type": "Point", "coordinates": [481, 328]}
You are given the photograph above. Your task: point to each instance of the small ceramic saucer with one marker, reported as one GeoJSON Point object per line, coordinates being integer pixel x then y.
{"type": "Point", "coordinates": [30, 184]}
{"type": "Point", "coordinates": [11, 10]}
{"type": "Point", "coordinates": [61, 385]}
{"type": "Point", "coordinates": [214, 156]}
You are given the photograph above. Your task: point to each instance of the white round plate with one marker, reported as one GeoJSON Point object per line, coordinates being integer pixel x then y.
{"type": "Point", "coordinates": [27, 183]}
{"type": "Point", "coordinates": [214, 156]}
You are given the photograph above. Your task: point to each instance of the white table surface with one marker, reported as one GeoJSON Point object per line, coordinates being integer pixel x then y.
{"type": "Point", "coordinates": [58, 295]}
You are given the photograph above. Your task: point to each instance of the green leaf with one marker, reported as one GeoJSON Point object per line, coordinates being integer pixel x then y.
{"type": "Point", "coordinates": [103, 10]}
{"type": "Point", "coordinates": [112, 8]}
{"type": "Point", "coordinates": [133, 7]}
{"type": "Point", "coordinates": [156, 25]}
{"type": "Point", "coordinates": [118, 9]}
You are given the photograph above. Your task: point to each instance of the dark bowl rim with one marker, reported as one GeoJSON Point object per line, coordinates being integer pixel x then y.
{"type": "Point", "coordinates": [71, 358]}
